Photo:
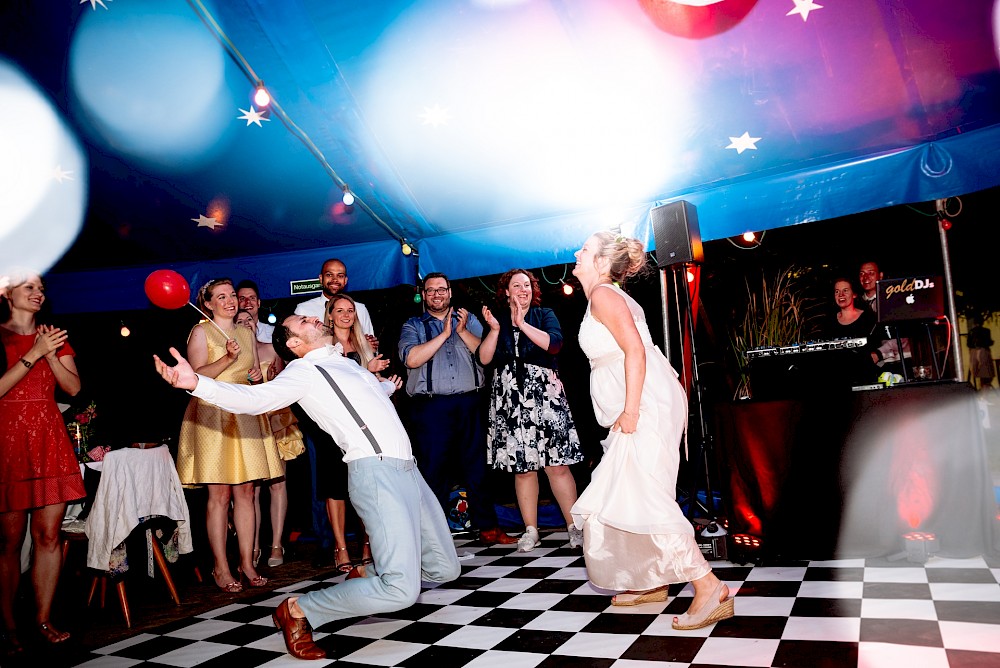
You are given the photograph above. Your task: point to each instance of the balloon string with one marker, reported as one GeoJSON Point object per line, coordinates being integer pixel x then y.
{"type": "Point", "coordinates": [209, 319]}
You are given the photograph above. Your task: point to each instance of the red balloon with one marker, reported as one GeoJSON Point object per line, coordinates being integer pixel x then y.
{"type": "Point", "coordinates": [167, 289]}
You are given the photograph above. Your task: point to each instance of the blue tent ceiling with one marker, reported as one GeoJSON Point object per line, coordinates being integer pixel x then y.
{"type": "Point", "coordinates": [488, 133]}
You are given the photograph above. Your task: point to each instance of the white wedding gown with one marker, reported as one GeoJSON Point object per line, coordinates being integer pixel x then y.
{"type": "Point", "coordinates": [635, 535]}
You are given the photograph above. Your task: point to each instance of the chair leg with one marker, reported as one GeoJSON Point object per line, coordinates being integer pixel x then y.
{"type": "Point", "coordinates": [123, 599]}
{"type": "Point", "coordinates": [104, 589]}
{"type": "Point", "coordinates": [161, 561]}
{"type": "Point", "coordinates": [93, 588]}
{"type": "Point", "coordinates": [197, 575]}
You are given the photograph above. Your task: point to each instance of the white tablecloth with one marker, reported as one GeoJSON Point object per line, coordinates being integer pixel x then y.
{"type": "Point", "coordinates": [135, 483]}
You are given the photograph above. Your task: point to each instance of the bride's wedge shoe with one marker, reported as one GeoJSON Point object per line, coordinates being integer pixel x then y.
{"type": "Point", "coordinates": [709, 613]}
{"type": "Point", "coordinates": [657, 595]}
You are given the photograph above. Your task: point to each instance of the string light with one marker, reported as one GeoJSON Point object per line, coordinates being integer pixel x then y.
{"type": "Point", "coordinates": [567, 289]}
{"type": "Point", "coordinates": [407, 248]}
{"type": "Point", "coordinates": [748, 240]}
{"type": "Point", "coordinates": [348, 198]}
{"type": "Point", "coordinates": [271, 318]}
{"type": "Point", "coordinates": [125, 331]}
{"type": "Point", "coordinates": [261, 97]}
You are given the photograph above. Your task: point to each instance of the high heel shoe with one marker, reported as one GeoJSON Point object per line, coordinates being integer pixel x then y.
{"type": "Point", "coordinates": [276, 561]}
{"type": "Point", "coordinates": [253, 583]}
{"type": "Point", "coordinates": [708, 614]}
{"type": "Point", "coordinates": [367, 561]}
{"type": "Point", "coordinates": [657, 595]}
{"type": "Point", "coordinates": [342, 566]}
{"type": "Point", "coordinates": [233, 587]}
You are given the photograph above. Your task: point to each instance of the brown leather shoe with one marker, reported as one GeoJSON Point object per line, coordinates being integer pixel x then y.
{"type": "Point", "coordinates": [297, 633]}
{"type": "Point", "coordinates": [495, 536]}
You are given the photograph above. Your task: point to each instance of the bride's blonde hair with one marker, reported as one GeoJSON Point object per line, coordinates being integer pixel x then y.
{"type": "Point", "coordinates": [626, 256]}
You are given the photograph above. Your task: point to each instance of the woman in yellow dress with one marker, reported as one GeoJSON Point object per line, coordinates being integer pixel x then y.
{"type": "Point", "coordinates": [225, 451]}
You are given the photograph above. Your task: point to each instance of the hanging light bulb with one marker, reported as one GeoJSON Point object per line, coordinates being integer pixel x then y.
{"type": "Point", "coordinates": [749, 237]}
{"type": "Point", "coordinates": [261, 97]}
{"type": "Point", "coordinates": [566, 288]}
{"type": "Point", "coordinates": [271, 318]}
{"type": "Point", "coordinates": [348, 198]}
{"type": "Point", "coordinates": [125, 331]}
{"type": "Point", "coordinates": [407, 248]}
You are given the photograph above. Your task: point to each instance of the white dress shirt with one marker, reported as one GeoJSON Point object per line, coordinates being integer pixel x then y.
{"type": "Point", "coordinates": [265, 332]}
{"type": "Point", "coordinates": [301, 382]}
{"type": "Point", "coordinates": [316, 307]}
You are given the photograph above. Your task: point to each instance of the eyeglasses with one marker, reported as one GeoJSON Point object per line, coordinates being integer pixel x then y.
{"type": "Point", "coordinates": [436, 291]}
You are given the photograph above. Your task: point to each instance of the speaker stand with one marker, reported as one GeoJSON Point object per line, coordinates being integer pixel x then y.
{"type": "Point", "coordinates": [703, 442]}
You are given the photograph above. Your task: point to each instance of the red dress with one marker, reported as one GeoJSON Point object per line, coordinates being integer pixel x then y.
{"type": "Point", "coordinates": [37, 464]}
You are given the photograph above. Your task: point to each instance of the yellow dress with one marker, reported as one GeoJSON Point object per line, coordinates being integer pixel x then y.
{"type": "Point", "coordinates": [219, 447]}
{"type": "Point", "coordinates": [284, 426]}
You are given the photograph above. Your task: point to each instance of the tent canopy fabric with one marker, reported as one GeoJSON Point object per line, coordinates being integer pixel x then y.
{"type": "Point", "coordinates": [485, 133]}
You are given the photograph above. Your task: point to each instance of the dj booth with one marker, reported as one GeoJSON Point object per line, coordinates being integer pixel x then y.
{"type": "Point", "coordinates": [824, 462]}
{"type": "Point", "coordinates": [841, 474]}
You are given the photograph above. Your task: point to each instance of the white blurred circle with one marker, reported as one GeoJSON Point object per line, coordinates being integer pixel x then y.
{"type": "Point", "coordinates": [151, 79]}
{"type": "Point", "coordinates": [43, 177]}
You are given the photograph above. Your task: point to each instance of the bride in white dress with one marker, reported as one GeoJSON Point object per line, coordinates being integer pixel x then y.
{"type": "Point", "coordinates": [636, 539]}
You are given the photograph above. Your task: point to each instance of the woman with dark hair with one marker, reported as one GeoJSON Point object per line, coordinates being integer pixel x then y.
{"type": "Point", "coordinates": [849, 321]}
{"type": "Point", "coordinates": [530, 425]}
{"type": "Point", "coordinates": [636, 538]}
{"type": "Point", "coordinates": [225, 451]}
{"type": "Point", "coordinates": [38, 470]}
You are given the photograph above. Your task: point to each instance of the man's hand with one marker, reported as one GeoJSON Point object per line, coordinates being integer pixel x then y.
{"type": "Point", "coordinates": [463, 318]}
{"type": "Point", "coordinates": [180, 375]}
{"type": "Point", "coordinates": [447, 323]}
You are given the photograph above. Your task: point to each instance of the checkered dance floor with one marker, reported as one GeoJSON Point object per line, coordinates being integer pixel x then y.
{"type": "Point", "coordinates": [516, 610]}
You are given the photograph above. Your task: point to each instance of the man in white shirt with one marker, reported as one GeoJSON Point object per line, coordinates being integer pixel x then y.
{"type": "Point", "coordinates": [333, 279]}
{"type": "Point", "coordinates": [869, 275]}
{"type": "Point", "coordinates": [409, 535]}
{"type": "Point", "coordinates": [248, 296]}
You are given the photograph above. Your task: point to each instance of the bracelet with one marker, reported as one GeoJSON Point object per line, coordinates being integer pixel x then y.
{"type": "Point", "coordinates": [26, 363]}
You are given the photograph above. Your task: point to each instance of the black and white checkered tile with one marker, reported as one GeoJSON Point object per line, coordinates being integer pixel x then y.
{"type": "Point", "coordinates": [514, 610]}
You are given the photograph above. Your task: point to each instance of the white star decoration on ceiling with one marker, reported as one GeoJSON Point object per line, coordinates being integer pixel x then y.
{"type": "Point", "coordinates": [60, 175]}
{"type": "Point", "coordinates": [94, 3]}
{"type": "Point", "coordinates": [803, 7]}
{"type": "Point", "coordinates": [743, 143]}
{"type": "Point", "coordinates": [205, 221]}
{"type": "Point", "coordinates": [253, 116]}
{"type": "Point", "coordinates": [435, 116]}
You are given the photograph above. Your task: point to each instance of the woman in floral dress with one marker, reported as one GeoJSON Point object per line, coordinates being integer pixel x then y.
{"type": "Point", "coordinates": [530, 426]}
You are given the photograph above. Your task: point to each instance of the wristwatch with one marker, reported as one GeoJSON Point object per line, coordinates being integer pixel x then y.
{"type": "Point", "coordinates": [26, 363]}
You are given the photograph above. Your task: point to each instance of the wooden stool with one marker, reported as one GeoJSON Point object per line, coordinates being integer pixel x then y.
{"type": "Point", "coordinates": [102, 577]}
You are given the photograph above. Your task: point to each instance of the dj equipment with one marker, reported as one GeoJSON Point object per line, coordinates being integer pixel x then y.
{"type": "Point", "coordinates": [807, 347]}
{"type": "Point", "coordinates": [916, 298]}
{"type": "Point", "coordinates": [675, 230]}
{"type": "Point", "coordinates": [785, 372]}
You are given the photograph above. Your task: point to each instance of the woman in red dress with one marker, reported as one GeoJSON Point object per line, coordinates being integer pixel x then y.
{"type": "Point", "coordinates": [38, 471]}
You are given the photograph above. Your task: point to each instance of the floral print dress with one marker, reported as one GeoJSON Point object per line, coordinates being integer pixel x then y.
{"type": "Point", "coordinates": [530, 424]}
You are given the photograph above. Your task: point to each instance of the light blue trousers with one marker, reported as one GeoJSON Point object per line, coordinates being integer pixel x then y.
{"type": "Point", "coordinates": [410, 542]}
